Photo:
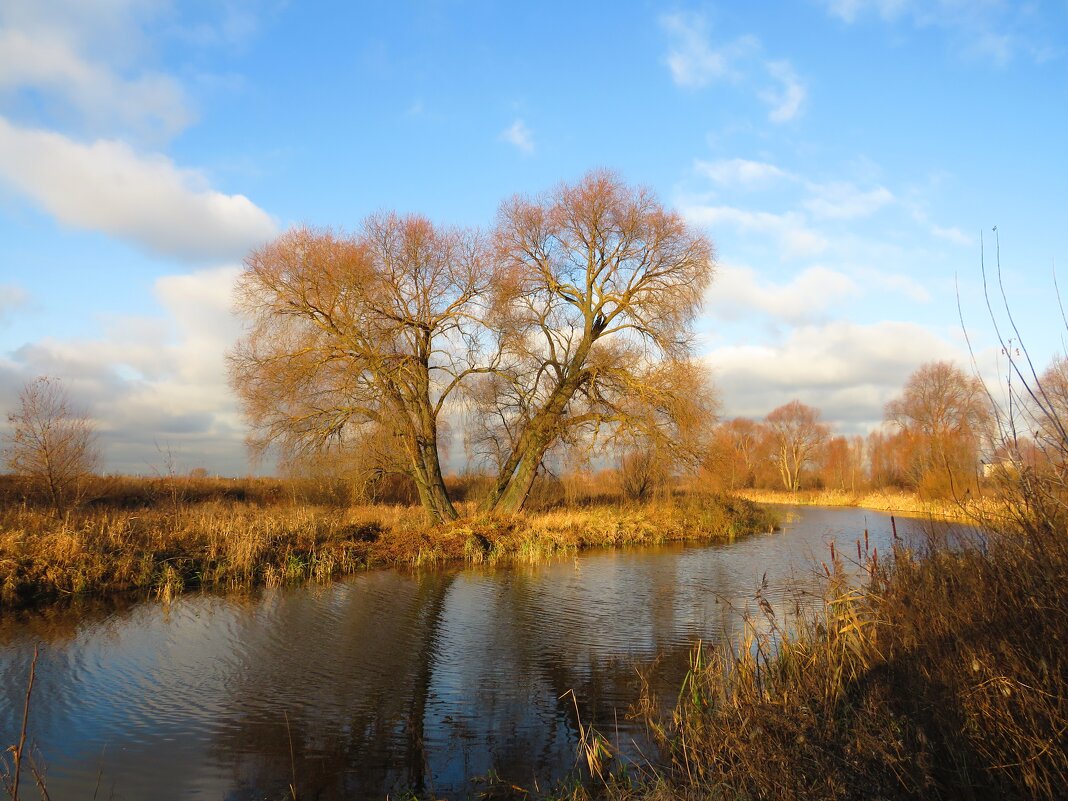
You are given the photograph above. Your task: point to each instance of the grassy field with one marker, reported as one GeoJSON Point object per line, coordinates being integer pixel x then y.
{"type": "Point", "coordinates": [238, 536]}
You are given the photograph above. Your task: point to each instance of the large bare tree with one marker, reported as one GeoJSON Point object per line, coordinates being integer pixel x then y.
{"type": "Point", "coordinates": [362, 336]}
{"type": "Point", "coordinates": [51, 443]}
{"type": "Point", "coordinates": [599, 287]}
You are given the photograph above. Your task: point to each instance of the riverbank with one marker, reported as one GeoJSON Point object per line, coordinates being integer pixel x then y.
{"type": "Point", "coordinates": [944, 676]}
{"type": "Point", "coordinates": [164, 550]}
{"type": "Point", "coordinates": [904, 503]}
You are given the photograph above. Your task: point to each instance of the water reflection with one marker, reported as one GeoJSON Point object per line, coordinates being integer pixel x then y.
{"type": "Point", "coordinates": [390, 681]}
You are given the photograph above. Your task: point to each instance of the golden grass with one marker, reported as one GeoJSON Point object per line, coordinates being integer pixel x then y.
{"type": "Point", "coordinates": [906, 503]}
{"type": "Point", "coordinates": [166, 549]}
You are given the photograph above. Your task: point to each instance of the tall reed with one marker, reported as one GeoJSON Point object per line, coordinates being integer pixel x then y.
{"type": "Point", "coordinates": [944, 676]}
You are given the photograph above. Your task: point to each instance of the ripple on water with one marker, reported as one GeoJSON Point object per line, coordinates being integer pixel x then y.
{"type": "Point", "coordinates": [392, 679]}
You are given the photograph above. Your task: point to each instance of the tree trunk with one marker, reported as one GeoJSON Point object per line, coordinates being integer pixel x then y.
{"type": "Point", "coordinates": [426, 473]}
{"type": "Point", "coordinates": [515, 493]}
{"type": "Point", "coordinates": [517, 474]}
{"type": "Point", "coordinates": [442, 505]}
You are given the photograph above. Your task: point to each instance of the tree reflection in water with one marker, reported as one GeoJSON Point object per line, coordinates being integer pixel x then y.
{"type": "Point", "coordinates": [390, 681]}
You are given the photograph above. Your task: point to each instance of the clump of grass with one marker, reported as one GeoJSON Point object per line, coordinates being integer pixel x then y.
{"type": "Point", "coordinates": [945, 676]}
{"type": "Point", "coordinates": [536, 536]}
{"type": "Point", "coordinates": [168, 548]}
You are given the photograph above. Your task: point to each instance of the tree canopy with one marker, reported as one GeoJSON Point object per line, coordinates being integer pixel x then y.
{"type": "Point", "coordinates": [363, 336]}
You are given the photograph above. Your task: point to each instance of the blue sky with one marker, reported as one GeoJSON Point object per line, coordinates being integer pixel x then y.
{"type": "Point", "coordinates": [845, 156]}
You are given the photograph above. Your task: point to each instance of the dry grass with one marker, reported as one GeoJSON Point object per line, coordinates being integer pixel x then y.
{"type": "Point", "coordinates": [945, 676]}
{"type": "Point", "coordinates": [965, 510]}
{"type": "Point", "coordinates": [167, 547]}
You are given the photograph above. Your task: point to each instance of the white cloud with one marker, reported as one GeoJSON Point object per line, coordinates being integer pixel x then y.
{"type": "Point", "coordinates": [106, 186]}
{"type": "Point", "coordinates": [150, 104]}
{"type": "Point", "coordinates": [691, 58]}
{"type": "Point", "coordinates": [847, 370]}
{"type": "Point", "coordinates": [985, 29]}
{"type": "Point", "coordinates": [841, 200]}
{"type": "Point", "coordinates": [895, 282]}
{"type": "Point", "coordinates": [108, 27]}
{"type": "Point", "coordinates": [519, 136]}
{"type": "Point", "coordinates": [794, 237]}
{"type": "Point", "coordinates": [695, 63]}
{"type": "Point", "coordinates": [739, 291]}
{"type": "Point", "coordinates": [154, 383]}
{"type": "Point", "coordinates": [741, 173]}
{"type": "Point", "coordinates": [786, 99]}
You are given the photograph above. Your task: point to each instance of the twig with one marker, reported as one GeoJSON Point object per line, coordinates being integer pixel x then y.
{"type": "Point", "coordinates": [22, 734]}
{"type": "Point", "coordinates": [292, 760]}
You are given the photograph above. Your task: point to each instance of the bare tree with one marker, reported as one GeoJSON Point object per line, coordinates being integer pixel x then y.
{"type": "Point", "coordinates": [52, 443]}
{"type": "Point", "coordinates": [641, 472]}
{"type": "Point", "coordinates": [599, 288]}
{"type": "Point", "coordinates": [362, 336]}
{"type": "Point", "coordinates": [945, 416]}
{"type": "Point", "coordinates": [797, 434]}
{"type": "Point", "coordinates": [736, 453]}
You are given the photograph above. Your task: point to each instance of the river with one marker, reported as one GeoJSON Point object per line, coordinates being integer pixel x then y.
{"type": "Point", "coordinates": [391, 681]}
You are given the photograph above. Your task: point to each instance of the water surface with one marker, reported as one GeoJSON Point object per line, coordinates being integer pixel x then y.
{"type": "Point", "coordinates": [389, 680]}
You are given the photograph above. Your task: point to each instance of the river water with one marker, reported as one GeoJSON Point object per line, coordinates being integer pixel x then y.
{"type": "Point", "coordinates": [391, 681]}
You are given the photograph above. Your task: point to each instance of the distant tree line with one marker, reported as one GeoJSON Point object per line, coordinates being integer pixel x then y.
{"type": "Point", "coordinates": [937, 438]}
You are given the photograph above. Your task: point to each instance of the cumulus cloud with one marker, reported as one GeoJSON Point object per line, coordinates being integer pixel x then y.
{"type": "Point", "coordinates": [794, 237]}
{"type": "Point", "coordinates": [519, 136]}
{"type": "Point", "coordinates": [107, 186]}
{"type": "Point", "coordinates": [741, 173]}
{"type": "Point", "coordinates": [789, 94]}
{"type": "Point", "coordinates": [153, 385]}
{"type": "Point", "coordinates": [738, 292]}
{"type": "Point", "coordinates": [845, 369]}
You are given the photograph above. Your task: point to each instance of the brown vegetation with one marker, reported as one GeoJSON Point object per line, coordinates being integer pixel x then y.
{"type": "Point", "coordinates": [944, 418]}
{"type": "Point", "coordinates": [234, 534]}
{"type": "Point", "coordinates": [796, 435]}
{"type": "Point", "coordinates": [890, 500]}
{"type": "Point", "coordinates": [945, 676]}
